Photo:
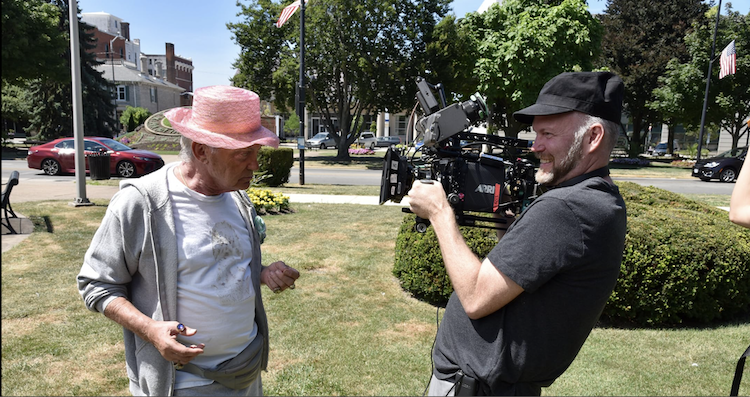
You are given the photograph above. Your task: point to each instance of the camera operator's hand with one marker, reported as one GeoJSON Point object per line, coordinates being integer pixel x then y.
{"type": "Point", "coordinates": [427, 200]}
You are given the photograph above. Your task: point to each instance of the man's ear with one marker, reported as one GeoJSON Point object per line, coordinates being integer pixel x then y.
{"type": "Point", "coordinates": [199, 152]}
{"type": "Point", "coordinates": [596, 137]}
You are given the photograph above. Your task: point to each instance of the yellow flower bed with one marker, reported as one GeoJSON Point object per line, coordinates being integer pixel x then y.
{"type": "Point", "coordinates": [266, 201]}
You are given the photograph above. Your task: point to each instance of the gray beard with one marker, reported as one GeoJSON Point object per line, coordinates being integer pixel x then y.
{"type": "Point", "coordinates": [566, 165]}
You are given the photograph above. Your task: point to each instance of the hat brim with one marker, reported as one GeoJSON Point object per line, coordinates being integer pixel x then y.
{"type": "Point", "coordinates": [527, 115]}
{"type": "Point", "coordinates": [180, 120]}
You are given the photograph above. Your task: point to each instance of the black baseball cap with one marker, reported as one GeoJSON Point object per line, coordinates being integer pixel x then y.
{"type": "Point", "coordinates": [596, 93]}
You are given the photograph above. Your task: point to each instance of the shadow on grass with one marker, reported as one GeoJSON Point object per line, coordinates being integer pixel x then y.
{"type": "Point", "coordinates": [739, 319]}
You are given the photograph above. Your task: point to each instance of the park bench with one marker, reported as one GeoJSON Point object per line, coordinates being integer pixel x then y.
{"type": "Point", "coordinates": [7, 209]}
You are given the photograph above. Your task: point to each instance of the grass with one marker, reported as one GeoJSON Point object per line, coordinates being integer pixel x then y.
{"type": "Point", "coordinates": [347, 329]}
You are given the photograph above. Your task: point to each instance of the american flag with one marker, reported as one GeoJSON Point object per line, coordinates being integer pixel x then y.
{"type": "Point", "coordinates": [728, 61]}
{"type": "Point", "coordinates": [287, 12]}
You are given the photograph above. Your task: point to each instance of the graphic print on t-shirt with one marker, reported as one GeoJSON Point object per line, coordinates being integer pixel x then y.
{"type": "Point", "coordinates": [234, 283]}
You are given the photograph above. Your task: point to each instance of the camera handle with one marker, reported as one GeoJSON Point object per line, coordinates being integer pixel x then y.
{"type": "Point", "coordinates": [420, 224]}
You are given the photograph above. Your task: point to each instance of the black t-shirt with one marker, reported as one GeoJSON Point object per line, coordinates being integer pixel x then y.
{"type": "Point", "coordinates": [565, 251]}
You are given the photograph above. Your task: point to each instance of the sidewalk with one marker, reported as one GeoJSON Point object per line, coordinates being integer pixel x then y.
{"type": "Point", "coordinates": [45, 191]}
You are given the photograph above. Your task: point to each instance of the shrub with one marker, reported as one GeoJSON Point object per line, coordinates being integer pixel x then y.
{"type": "Point", "coordinates": [277, 164]}
{"type": "Point", "coordinates": [630, 161]}
{"type": "Point", "coordinates": [419, 263]}
{"type": "Point", "coordinates": [132, 117]}
{"type": "Point", "coordinates": [683, 261]}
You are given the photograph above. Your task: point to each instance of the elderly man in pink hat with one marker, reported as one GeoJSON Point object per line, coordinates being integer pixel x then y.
{"type": "Point", "coordinates": [177, 260]}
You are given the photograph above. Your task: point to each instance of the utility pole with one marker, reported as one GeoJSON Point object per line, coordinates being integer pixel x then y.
{"type": "Point", "coordinates": [75, 71]}
{"type": "Point", "coordinates": [708, 84]}
{"type": "Point", "coordinates": [301, 90]}
{"type": "Point", "coordinates": [112, 60]}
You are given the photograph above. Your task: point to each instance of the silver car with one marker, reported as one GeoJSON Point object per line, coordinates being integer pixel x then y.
{"type": "Point", "coordinates": [367, 139]}
{"type": "Point", "coordinates": [321, 140]}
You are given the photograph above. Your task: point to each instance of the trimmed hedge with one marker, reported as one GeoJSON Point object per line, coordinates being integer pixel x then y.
{"type": "Point", "coordinates": [419, 263]}
{"type": "Point", "coordinates": [683, 261]}
{"type": "Point", "coordinates": [277, 163]}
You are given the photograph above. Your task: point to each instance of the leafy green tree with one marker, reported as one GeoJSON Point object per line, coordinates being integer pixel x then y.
{"type": "Point", "coordinates": [52, 113]}
{"type": "Point", "coordinates": [733, 92]}
{"type": "Point", "coordinates": [451, 62]}
{"type": "Point", "coordinates": [521, 44]}
{"type": "Point", "coordinates": [291, 126]}
{"type": "Point", "coordinates": [679, 97]}
{"type": "Point", "coordinates": [31, 41]}
{"type": "Point", "coordinates": [360, 57]}
{"type": "Point", "coordinates": [15, 107]}
{"type": "Point", "coordinates": [640, 38]}
{"type": "Point", "coordinates": [132, 117]}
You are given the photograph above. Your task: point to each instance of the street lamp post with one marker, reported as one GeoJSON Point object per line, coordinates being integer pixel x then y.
{"type": "Point", "coordinates": [112, 60]}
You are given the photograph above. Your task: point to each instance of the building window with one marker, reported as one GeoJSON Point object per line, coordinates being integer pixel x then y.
{"type": "Point", "coordinates": [152, 91]}
{"type": "Point", "coordinates": [401, 125]}
{"type": "Point", "coordinates": [122, 94]}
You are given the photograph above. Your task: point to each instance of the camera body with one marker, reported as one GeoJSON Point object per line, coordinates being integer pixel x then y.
{"type": "Point", "coordinates": [482, 175]}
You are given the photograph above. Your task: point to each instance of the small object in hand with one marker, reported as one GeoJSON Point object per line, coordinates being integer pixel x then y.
{"type": "Point", "coordinates": [178, 365]}
{"type": "Point", "coordinates": [277, 290]}
{"type": "Point", "coordinates": [180, 327]}
{"type": "Point", "coordinates": [291, 286]}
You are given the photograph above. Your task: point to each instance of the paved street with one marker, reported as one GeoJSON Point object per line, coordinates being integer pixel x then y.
{"type": "Point", "coordinates": [343, 176]}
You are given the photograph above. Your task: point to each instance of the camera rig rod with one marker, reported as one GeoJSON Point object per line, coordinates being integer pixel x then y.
{"type": "Point", "coordinates": [496, 140]}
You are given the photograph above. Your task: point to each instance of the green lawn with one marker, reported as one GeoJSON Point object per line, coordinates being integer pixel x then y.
{"type": "Point", "coordinates": [347, 329]}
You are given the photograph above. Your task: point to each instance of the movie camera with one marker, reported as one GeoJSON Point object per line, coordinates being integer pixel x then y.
{"type": "Point", "coordinates": [479, 173]}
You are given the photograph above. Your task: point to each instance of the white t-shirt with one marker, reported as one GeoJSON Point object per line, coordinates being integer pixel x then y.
{"type": "Point", "coordinates": [215, 294]}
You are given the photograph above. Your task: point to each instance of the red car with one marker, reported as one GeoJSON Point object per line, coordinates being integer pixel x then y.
{"type": "Point", "coordinates": [58, 157]}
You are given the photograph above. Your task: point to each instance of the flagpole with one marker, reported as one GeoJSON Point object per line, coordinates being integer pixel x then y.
{"type": "Point", "coordinates": [301, 89]}
{"type": "Point", "coordinates": [708, 84]}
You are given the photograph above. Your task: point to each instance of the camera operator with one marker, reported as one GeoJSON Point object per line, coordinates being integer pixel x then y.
{"type": "Point", "coordinates": [518, 318]}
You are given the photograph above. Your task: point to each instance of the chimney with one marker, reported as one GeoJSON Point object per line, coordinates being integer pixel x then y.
{"type": "Point", "coordinates": [171, 72]}
{"type": "Point", "coordinates": [125, 30]}
{"type": "Point", "coordinates": [158, 70]}
{"type": "Point", "coordinates": [144, 66]}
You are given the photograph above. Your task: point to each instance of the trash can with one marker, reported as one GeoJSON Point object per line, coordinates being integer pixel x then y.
{"type": "Point", "coordinates": [99, 165]}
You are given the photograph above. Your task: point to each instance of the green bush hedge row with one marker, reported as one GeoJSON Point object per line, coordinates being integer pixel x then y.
{"type": "Point", "coordinates": [277, 164]}
{"type": "Point", "coordinates": [683, 261]}
{"type": "Point", "coordinates": [419, 263]}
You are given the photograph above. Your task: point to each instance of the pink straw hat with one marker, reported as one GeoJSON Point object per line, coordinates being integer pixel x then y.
{"type": "Point", "coordinates": [223, 117]}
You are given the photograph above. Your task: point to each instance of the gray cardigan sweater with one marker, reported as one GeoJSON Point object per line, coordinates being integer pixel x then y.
{"type": "Point", "coordinates": [134, 255]}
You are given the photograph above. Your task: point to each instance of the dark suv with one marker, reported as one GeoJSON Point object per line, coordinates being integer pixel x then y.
{"type": "Point", "coordinates": [724, 167]}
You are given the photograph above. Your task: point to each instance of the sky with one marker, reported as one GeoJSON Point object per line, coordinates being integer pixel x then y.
{"type": "Point", "coordinates": [197, 28]}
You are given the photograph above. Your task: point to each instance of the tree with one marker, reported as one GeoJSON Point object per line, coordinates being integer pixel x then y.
{"type": "Point", "coordinates": [52, 114]}
{"type": "Point", "coordinates": [31, 41]}
{"type": "Point", "coordinates": [361, 57]}
{"type": "Point", "coordinates": [15, 107]}
{"type": "Point", "coordinates": [641, 38]}
{"type": "Point", "coordinates": [521, 44]}
{"type": "Point", "coordinates": [679, 97]}
{"type": "Point", "coordinates": [733, 91]}
{"type": "Point", "coordinates": [291, 126]}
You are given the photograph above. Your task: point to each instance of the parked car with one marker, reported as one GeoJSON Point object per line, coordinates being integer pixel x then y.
{"type": "Point", "coordinates": [724, 167]}
{"type": "Point", "coordinates": [661, 149]}
{"type": "Point", "coordinates": [58, 157]}
{"type": "Point", "coordinates": [367, 139]}
{"type": "Point", "coordinates": [386, 141]}
{"type": "Point", "coordinates": [321, 140]}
